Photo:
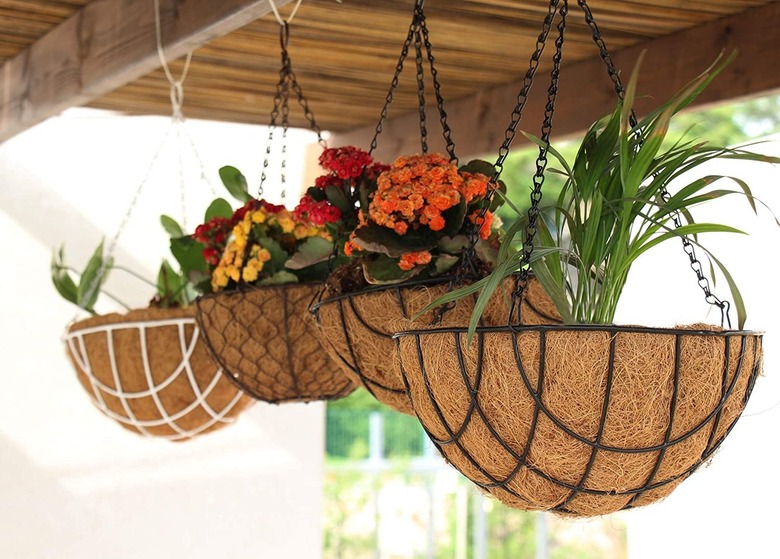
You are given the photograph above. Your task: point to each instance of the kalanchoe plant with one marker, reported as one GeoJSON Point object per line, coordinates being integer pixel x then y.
{"type": "Point", "coordinates": [263, 243]}
{"type": "Point", "coordinates": [417, 220]}
{"type": "Point", "coordinates": [614, 207]}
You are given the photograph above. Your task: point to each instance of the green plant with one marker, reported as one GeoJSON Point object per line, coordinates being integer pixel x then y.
{"type": "Point", "coordinates": [195, 255]}
{"type": "Point", "coordinates": [614, 207]}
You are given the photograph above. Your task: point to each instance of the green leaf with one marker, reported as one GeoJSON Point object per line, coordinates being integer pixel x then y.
{"type": "Point", "coordinates": [452, 245]}
{"type": "Point", "coordinates": [280, 278]}
{"type": "Point", "coordinates": [279, 256]}
{"type": "Point", "coordinates": [235, 183]}
{"type": "Point", "coordinates": [218, 208]}
{"type": "Point", "coordinates": [169, 284]}
{"type": "Point", "coordinates": [478, 166]}
{"type": "Point", "coordinates": [453, 218]}
{"type": "Point", "coordinates": [339, 199]}
{"type": "Point", "coordinates": [92, 279]}
{"type": "Point", "coordinates": [189, 254]}
{"type": "Point", "coordinates": [316, 194]}
{"type": "Point", "coordinates": [384, 270]}
{"type": "Point", "coordinates": [171, 226]}
{"type": "Point", "coordinates": [61, 279]}
{"type": "Point", "coordinates": [312, 251]}
{"type": "Point", "coordinates": [379, 239]}
{"type": "Point", "coordinates": [444, 263]}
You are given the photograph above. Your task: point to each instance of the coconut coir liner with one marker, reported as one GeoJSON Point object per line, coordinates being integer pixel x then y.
{"type": "Point", "coordinates": [171, 391]}
{"type": "Point", "coordinates": [357, 330]}
{"type": "Point", "coordinates": [267, 342]}
{"type": "Point", "coordinates": [517, 451]}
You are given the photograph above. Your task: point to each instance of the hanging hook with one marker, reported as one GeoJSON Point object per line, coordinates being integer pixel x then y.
{"type": "Point", "coordinates": [177, 86]}
{"type": "Point", "coordinates": [284, 35]}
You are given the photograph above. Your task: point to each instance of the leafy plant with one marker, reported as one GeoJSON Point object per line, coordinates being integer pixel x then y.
{"type": "Point", "coordinates": [614, 207]}
{"type": "Point", "coordinates": [194, 254]}
{"type": "Point", "coordinates": [83, 294]}
{"type": "Point", "coordinates": [416, 221]}
{"type": "Point", "coordinates": [263, 243]}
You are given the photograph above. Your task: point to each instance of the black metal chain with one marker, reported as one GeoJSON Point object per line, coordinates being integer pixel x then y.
{"type": "Point", "coordinates": [541, 165]}
{"type": "Point", "coordinates": [467, 266]}
{"type": "Point", "coordinates": [418, 33]}
{"type": "Point", "coordinates": [446, 130]}
{"type": "Point", "coordinates": [418, 58]}
{"type": "Point", "coordinates": [287, 81]}
{"type": "Point", "coordinates": [688, 248]}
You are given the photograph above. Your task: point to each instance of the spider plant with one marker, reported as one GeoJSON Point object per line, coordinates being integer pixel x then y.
{"type": "Point", "coordinates": [619, 199]}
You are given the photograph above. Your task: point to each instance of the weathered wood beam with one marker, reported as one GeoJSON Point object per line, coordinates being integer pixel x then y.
{"type": "Point", "coordinates": [479, 122]}
{"type": "Point", "coordinates": [106, 45]}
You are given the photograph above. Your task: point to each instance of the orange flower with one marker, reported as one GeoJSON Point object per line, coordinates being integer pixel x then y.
{"type": "Point", "coordinates": [484, 223]}
{"type": "Point", "coordinates": [416, 189]}
{"type": "Point", "coordinates": [411, 259]}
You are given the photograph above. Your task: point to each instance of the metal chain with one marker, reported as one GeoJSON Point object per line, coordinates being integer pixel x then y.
{"type": "Point", "coordinates": [467, 265]}
{"type": "Point", "coordinates": [446, 130]}
{"type": "Point", "coordinates": [418, 33]}
{"type": "Point", "coordinates": [287, 81]}
{"type": "Point", "coordinates": [421, 90]}
{"type": "Point", "coordinates": [531, 228]}
{"type": "Point", "coordinates": [688, 248]}
{"type": "Point", "coordinates": [394, 83]}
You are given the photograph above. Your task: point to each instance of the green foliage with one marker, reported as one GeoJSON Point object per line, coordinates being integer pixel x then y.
{"type": "Point", "coordinates": [610, 209]}
{"type": "Point", "coordinates": [171, 226]}
{"type": "Point", "coordinates": [91, 280]}
{"type": "Point", "coordinates": [235, 183]}
{"type": "Point", "coordinates": [218, 208]}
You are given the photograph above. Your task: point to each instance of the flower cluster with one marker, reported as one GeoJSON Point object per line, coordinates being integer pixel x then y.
{"type": "Point", "coordinates": [335, 196]}
{"type": "Point", "coordinates": [425, 195]}
{"type": "Point", "coordinates": [314, 212]}
{"type": "Point", "coordinates": [262, 229]}
{"type": "Point", "coordinates": [345, 162]}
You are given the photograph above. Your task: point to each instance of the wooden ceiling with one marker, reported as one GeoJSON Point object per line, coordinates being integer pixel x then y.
{"type": "Point", "coordinates": [344, 54]}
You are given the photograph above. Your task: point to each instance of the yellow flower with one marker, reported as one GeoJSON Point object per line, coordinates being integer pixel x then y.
{"type": "Point", "coordinates": [285, 221]}
{"type": "Point", "coordinates": [250, 273]}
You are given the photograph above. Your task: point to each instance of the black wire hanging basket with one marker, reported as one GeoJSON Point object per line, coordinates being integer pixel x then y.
{"type": "Point", "coordinates": [356, 328]}
{"type": "Point", "coordinates": [263, 336]}
{"type": "Point", "coordinates": [581, 420]}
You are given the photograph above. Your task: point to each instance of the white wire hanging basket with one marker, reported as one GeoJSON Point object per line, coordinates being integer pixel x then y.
{"type": "Point", "coordinates": [149, 370]}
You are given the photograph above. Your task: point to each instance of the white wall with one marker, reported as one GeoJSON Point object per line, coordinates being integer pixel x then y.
{"type": "Point", "coordinates": [72, 483]}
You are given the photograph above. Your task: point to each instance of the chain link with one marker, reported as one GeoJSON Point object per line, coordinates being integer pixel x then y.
{"type": "Point", "coordinates": [688, 248]}
{"type": "Point", "coordinates": [421, 90]}
{"type": "Point", "coordinates": [446, 130]}
{"type": "Point", "coordinates": [287, 81]}
{"type": "Point", "coordinates": [419, 35]}
{"type": "Point", "coordinates": [467, 265]}
{"type": "Point", "coordinates": [541, 166]}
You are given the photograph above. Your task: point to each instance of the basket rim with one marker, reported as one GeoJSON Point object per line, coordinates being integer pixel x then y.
{"type": "Point", "coordinates": [610, 328]}
{"type": "Point", "coordinates": [167, 316]}
{"type": "Point", "coordinates": [254, 288]}
{"type": "Point", "coordinates": [384, 287]}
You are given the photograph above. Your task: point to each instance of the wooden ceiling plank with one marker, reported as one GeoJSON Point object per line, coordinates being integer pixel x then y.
{"type": "Point", "coordinates": [106, 45]}
{"type": "Point", "coordinates": [479, 121]}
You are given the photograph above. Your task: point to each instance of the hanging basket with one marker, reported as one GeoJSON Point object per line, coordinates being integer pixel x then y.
{"type": "Point", "coordinates": [580, 420]}
{"type": "Point", "coordinates": [267, 343]}
{"type": "Point", "coordinates": [150, 372]}
{"type": "Point", "coordinates": [356, 329]}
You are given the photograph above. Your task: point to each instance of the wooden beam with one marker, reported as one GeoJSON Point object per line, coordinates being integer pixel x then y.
{"type": "Point", "coordinates": [105, 45]}
{"type": "Point", "coordinates": [479, 122]}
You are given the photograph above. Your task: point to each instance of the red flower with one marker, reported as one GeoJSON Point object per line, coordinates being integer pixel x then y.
{"type": "Point", "coordinates": [346, 162]}
{"type": "Point", "coordinates": [316, 213]}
